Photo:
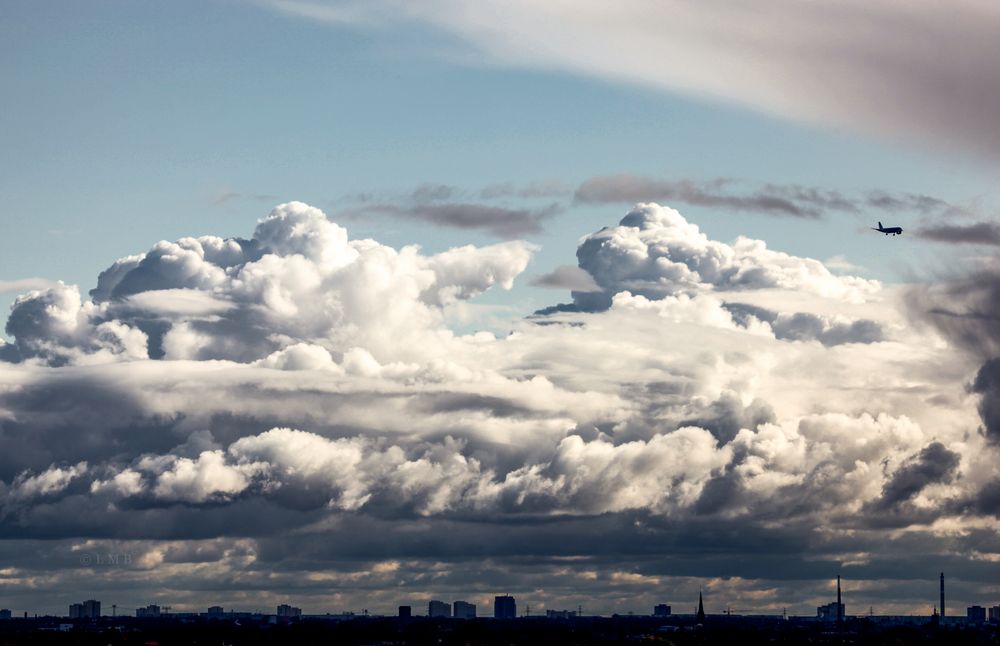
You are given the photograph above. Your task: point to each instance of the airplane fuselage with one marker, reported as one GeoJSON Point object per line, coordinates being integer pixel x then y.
{"type": "Point", "coordinates": [887, 230]}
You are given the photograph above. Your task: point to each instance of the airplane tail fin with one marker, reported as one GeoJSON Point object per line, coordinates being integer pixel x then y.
{"type": "Point", "coordinates": [879, 225]}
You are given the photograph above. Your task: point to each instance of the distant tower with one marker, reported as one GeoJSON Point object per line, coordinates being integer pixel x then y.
{"type": "Point", "coordinates": [840, 605]}
{"type": "Point", "coordinates": [701, 609]}
{"type": "Point", "coordinates": [942, 596]}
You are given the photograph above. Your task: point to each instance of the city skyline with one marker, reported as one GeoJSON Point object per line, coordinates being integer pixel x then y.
{"type": "Point", "coordinates": [340, 304]}
{"type": "Point", "coordinates": [505, 607]}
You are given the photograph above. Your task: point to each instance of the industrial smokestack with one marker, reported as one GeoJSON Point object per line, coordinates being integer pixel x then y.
{"type": "Point", "coordinates": [942, 596]}
{"type": "Point", "coordinates": [840, 605]}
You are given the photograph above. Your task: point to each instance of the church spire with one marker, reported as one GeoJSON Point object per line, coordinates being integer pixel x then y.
{"type": "Point", "coordinates": [701, 609]}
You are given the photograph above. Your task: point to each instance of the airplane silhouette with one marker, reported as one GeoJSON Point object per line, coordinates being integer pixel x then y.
{"type": "Point", "coordinates": [887, 230]}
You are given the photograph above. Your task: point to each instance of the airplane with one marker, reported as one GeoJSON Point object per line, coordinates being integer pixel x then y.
{"type": "Point", "coordinates": [887, 230]}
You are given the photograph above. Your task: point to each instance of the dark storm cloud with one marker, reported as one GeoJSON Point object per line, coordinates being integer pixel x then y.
{"type": "Point", "coordinates": [934, 464]}
{"type": "Point", "coordinates": [987, 385]}
{"type": "Point", "coordinates": [981, 233]}
{"type": "Point", "coordinates": [964, 308]}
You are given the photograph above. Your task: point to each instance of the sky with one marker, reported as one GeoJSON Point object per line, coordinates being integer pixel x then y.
{"type": "Point", "coordinates": [353, 305]}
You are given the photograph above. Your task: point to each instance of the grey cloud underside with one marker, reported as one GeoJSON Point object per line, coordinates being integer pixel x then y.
{"type": "Point", "coordinates": [567, 277]}
{"type": "Point", "coordinates": [289, 414]}
{"type": "Point", "coordinates": [934, 464]}
{"type": "Point", "coordinates": [803, 326]}
{"type": "Point", "coordinates": [446, 205]}
{"type": "Point", "coordinates": [501, 221]}
{"type": "Point", "coordinates": [981, 233]}
{"type": "Point", "coordinates": [786, 200]}
{"type": "Point", "coordinates": [965, 308]}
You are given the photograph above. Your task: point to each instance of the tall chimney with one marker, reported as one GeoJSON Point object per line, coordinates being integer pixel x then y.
{"type": "Point", "coordinates": [942, 596]}
{"type": "Point", "coordinates": [840, 606]}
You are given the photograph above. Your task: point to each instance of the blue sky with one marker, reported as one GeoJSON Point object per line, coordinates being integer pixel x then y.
{"type": "Point", "coordinates": [125, 123]}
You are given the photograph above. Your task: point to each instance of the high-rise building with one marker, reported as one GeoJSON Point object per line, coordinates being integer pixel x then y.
{"type": "Point", "coordinates": [286, 611]}
{"type": "Point", "coordinates": [405, 612]}
{"type": "Point", "coordinates": [463, 610]}
{"type": "Point", "coordinates": [91, 609]}
{"type": "Point", "coordinates": [661, 610]}
{"type": "Point", "coordinates": [830, 612]}
{"type": "Point", "coordinates": [976, 615]}
{"type": "Point", "coordinates": [149, 612]}
{"type": "Point", "coordinates": [438, 609]}
{"type": "Point", "coordinates": [215, 612]}
{"type": "Point", "coordinates": [994, 614]}
{"type": "Point", "coordinates": [504, 607]}
{"type": "Point", "coordinates": [4, 613]}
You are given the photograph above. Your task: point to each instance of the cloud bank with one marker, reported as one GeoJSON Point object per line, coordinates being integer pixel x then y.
{"type": "Point", "coordinates": [288, 417]}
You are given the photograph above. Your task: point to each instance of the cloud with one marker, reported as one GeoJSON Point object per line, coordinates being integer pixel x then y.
{"type": "Point", "coordinates": [981, 233]}
{"type": "Point", "coordinates": [787, 200]}
{"type": "Point", "coordinates": [530, 190]}
{"type": "Point", "coordinates": [875, 70]}
{"type": "Point", "coordinates": [655, 252]}
{"type": "Point", "coordinates": [501, 221]}
{"type": "Point", "coordinates": [567, 277]}
{"type": "Point", "coordinates": [289, 416]}
{"type": "Point", "coordinates": [805, 326]}
{"type": "Point", "coordinates": [774, 200]}
{"type": "Point", "coordinates": [299, 277]}
{"type": "Point", "coordinates": [25, 284]}
{"type": "Point", "coordinates": [987, 384]}
{"type": "Point", "coordinates": [933, 464]}
{"type": "Point", "coordinates": [964, 307]}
